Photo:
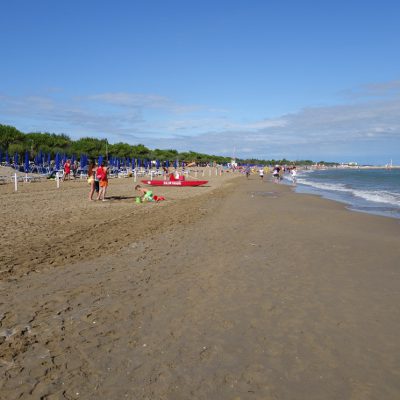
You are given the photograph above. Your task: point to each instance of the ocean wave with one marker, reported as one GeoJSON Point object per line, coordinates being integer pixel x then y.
{"type": "Point", "coordinates": [374, 196]}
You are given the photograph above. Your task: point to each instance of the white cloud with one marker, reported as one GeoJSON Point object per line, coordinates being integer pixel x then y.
{"type": "Point", "coordinates": [137, 100]}
{"type": "Point", "coordinates": [371, 90]}
{"type": "Point", "coordinates": [362, 127]}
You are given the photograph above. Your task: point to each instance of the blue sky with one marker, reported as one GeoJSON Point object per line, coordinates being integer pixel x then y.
{"type": "Point", "coordinates": [269, 79]}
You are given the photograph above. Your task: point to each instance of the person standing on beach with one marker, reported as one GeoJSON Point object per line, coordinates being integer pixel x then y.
{"type": "Point", "coordinates": [247, 171]}
{"type": "Point", "coordinates": [74, 168]}
{"type": "Point", "coordinates": [92, 179]}
{"type": "Point", "coordinates": [67, 170]}
{"type": "Point", "coordinates": [275, 173]}
{"type": "Point", "coordinates": [261, 172]}
{"type": "Point", "coordinates": [281, 173]}
{"type": "Point", "coordinates": [103, 181]}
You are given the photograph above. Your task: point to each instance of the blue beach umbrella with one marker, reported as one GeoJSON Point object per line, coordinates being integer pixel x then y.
{"type": "Point", "coordinates": [15, 160]}
{"type": "Point", "coordinates": [100, 160]}
{"type": "Point", "coordinates": [139, 162]}
{"type": "Point", "coordinates": [157, 164]}
{"type": "Point", "coordinates": [176, 164]}
{"type": "Point", "coordinates": [7, 158]}
{"type": "Point", "coordinates": [133, 163]}
{"type": "Point", "coordinates": [57, 161]}
{"type": "Point", "coordinates": [26, 162]}
{"type": "Point", "coordinates": [1, 156]}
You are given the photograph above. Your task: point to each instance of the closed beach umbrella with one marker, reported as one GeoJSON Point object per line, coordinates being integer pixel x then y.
{"type": "Point", "coordinates": [57, 161]}
{"type": "Point", "coordinates": [139, 162]}
{"type": "Point", "coordinates": [133, 163]}
{"type": "Point", "coordinates": [15, 160]}
{"type": "Point", "coordinates": [157, 164]}
{"type": "Point", "coordinates": [7, 158]}
{"type": "Point", "coordinates": [176, 164]}
{"type": "Point", "coordinates": [100, 160]}
{"type": "Point", "coordinates": [26, 163]}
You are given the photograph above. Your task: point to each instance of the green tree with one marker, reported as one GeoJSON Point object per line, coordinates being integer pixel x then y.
{"type": "Point", "coordinates": [8, 135]}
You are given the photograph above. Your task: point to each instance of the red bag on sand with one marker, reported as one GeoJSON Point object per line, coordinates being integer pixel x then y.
{"type": "Point", "coordinates": [158, 198]}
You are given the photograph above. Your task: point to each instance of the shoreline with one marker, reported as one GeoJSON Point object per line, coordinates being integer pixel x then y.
{"type": "Point", "coordinates": [247, 290]}
{"type": "Point", "coordinates": [355, 199]}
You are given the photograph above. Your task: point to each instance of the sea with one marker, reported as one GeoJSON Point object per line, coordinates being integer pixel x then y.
{"type": "Point", "coordinates": [374, 191]}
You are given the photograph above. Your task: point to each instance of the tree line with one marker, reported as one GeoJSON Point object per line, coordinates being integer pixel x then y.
{"type": "Point", "coordinates": [14, 141]}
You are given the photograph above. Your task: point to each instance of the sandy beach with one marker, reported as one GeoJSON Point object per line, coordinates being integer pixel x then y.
{"type": "Point", "coordinates": [241, 289]}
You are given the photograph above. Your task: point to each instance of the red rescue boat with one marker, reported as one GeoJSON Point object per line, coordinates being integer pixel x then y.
{"type": "Point", "coordinates": [174, 180]}
{"type": "Point", "coordinates": [173, 183]}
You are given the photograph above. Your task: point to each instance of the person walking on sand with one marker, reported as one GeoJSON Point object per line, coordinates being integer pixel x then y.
{"type": "Point", "coordinates": [275, 173]}
{"type": "Point", "coordinates": [293, 172]}
{"type": "Point", "coordinates": [247, 171]}
{"type": "Point", "coordinates": [103, 181]}
{"type": "Point", "coordinates": [261, 172]}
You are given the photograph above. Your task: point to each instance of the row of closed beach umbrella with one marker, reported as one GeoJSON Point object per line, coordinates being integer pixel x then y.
{"type": "Point", "coordinates": [42, 162]}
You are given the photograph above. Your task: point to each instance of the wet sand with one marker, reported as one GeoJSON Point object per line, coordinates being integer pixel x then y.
{"type": "Point", "coordinates": [241, 290]}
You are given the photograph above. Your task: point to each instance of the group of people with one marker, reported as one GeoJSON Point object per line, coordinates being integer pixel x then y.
{"type": "Point", "coordinates": [98, 180]}
{"type": "Point", "coordinates": [68, 168]}
{"type": "Point", "coordinates": [277, 173]}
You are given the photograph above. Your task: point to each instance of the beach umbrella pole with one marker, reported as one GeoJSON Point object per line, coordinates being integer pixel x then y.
{"type": "Point", "coordinates": [57, 180]}
{"type": "Point", "coordinates": [134, 176]}
{"type": "Point", "coordinates": [15, 182]}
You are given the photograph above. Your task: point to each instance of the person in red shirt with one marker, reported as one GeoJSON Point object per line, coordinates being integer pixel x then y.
{"type": "Point", "coordinates": [67, 170]}
{"type": "Point", "coordinates": [102, 177]}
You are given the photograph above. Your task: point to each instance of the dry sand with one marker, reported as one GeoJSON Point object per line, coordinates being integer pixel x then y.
{"type": "Point", "coordinates": [239, 290]}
